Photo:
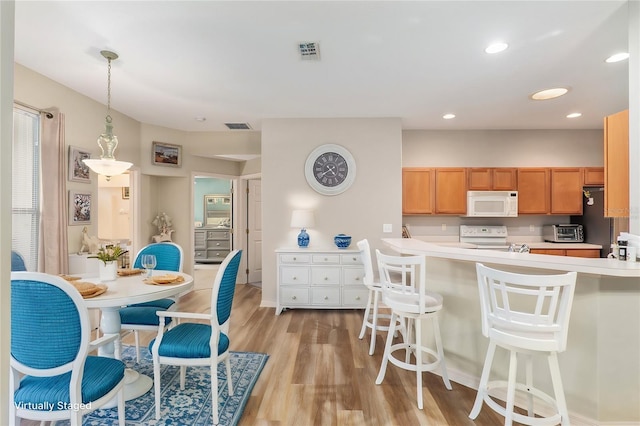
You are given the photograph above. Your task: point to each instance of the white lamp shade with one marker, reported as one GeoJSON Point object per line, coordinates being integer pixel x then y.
{"type": "Point", "coordinates": [107, 167]}
{"type": "Point", "coordinates": [302, 219]}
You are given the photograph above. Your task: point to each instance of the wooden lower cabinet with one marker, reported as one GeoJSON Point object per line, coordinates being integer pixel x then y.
{"type": "Point", "coordinates": [591, 253]}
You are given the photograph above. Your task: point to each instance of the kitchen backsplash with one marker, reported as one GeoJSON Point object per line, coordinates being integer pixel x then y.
{"type": "Point", "coordinates": [522, 228]}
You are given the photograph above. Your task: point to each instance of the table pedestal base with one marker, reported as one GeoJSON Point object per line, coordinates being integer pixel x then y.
{"type": "Point", "coordinates": [135, 385]}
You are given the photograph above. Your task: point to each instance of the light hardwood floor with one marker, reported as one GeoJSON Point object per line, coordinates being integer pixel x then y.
{"type": "Point", "coordinates": [320, 373]}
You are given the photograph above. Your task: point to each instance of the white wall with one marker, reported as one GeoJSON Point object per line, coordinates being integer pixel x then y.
{"type": "Point", "coordinates": [372, 200]}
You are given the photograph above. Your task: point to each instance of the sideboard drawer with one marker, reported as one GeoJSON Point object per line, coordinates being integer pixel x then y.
{"type": "Point", "coordinates": [218, 244]}
{"type": "Point", "coordinates": [355, 296]}
{"type": "Point", "coordinates": [351, 259]}
{"type": "Point", "coordinates": [295, 258]}
{"type": "Point", "coordinates": [353, 276]}
{"type": "Point", "coordinates": [325, 296]}
{"type": "Point", "coordinates": [325, 276]}
{"type": "Point", "coordinates": [294, 296]}
{"type": "Point", "coordinates": [292, 275]}
{"type": "Point", "coordinates": [326, 259]}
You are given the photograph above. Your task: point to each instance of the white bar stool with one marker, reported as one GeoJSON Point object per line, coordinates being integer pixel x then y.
{"type": "Point", "coordinates": [372, 312]}
{"type": "Point", "coordinates": [403, 280]}
{"type": "Point", "coordinates": [524, 314]}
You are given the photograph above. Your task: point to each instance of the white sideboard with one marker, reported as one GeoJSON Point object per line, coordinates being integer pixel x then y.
{"type": "Point", "coordinates": [320, 279]}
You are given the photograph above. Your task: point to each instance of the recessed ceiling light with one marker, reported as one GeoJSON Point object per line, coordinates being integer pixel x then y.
{"type": "Point", "coordinates": [200, 118]}
{"type": "Point", "coordinates": [574, 115]}
{"type": "Point", "coordinates": [617, 57]}
{"type": "Point", "coordinates": [549, 93]}
{"type": "Point", "coordinates": [496, 47]}
{"type": "Point", "coordinates": [449, 116]}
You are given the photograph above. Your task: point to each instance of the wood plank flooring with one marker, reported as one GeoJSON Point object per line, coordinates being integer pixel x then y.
{"type": "Point", "coordinates": [320, 373]}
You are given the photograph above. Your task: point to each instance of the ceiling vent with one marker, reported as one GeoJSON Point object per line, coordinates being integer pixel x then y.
{"type": "Point", "coordinates": [309, 50]}
{"type": "Point", "coordinates": [238, 126]}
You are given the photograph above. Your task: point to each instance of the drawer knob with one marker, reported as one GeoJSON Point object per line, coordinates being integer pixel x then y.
{"type": "Point", "coordinates": [295, 278]}
{"type": "Point", "coordinates": [357, 297]}
{"type": "Point", "coordinates": [293, 297]}
{"type": "Point", "coordinates": [326, 278]}
{"type": "Point", "coordinates": [326, 259]}
{"type": "Point", "coordinates": [326, 298]}
{"type": "Point", "coordinates": [295, 258]}
{"type": "Point", "coordinates": [354, 259]}
{"type": "Point", "coordinates": [217, 244]}
{"type": "Point", "coordinates": [357, 278]}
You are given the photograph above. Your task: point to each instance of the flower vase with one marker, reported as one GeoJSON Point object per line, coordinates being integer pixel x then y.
{"type": "Point", "coordinates": [108, 271]}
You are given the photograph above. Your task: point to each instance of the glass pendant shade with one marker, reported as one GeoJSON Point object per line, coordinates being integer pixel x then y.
{"type": "Point", "coordinates": [107, 165]}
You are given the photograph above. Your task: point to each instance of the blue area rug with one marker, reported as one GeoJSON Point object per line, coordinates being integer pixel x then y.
{"type": "Point", "coordinates": [191, 406]}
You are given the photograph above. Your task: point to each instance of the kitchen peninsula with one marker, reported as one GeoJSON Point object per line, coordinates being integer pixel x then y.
{"type": "Point", "coordinates": [601, 366]}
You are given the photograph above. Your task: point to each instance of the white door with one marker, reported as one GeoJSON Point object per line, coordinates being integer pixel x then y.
{"type": "Point", "coordinates": [254, 231]}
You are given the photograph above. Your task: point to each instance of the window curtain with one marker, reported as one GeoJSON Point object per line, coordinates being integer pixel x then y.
{"type": "Point", "coordinates": [53, 249]}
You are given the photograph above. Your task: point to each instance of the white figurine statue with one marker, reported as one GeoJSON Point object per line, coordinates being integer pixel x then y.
{"type": "Point", "coordinates": [90, 243]}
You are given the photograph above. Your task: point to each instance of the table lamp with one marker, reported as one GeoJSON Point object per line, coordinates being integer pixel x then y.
{"type": "Point", "coordinates": [302, 219]}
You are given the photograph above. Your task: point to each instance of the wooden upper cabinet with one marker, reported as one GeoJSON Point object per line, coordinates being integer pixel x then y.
{"type": "Point", "coordinates": [533, 190]}
{"type": "Point", "coordinates": [566, 190]}
{"type": "Point", "coordinates": [616, 165]}
{"type": "Point", "coordinates": [492, 179]}
{"type": "Point", "coordinates": [417, 190]}
{"type": "Point", "coordinates": [594, 176]}
{"type": "Point", "coordinates": [451, 191]}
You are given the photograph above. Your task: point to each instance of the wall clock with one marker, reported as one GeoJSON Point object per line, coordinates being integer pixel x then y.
{"type": "Point", "coordinates": [330, 169]}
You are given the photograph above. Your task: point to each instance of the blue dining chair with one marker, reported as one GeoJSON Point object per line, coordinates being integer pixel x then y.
{"type": "Point", "coordinates": [53, 377]}
{"type": "Point", "coordinates": [17, 261]}
{"type": "Point", "coordinates": [142, 316]}
{"type": "Point", "coordinates": [197, 343]}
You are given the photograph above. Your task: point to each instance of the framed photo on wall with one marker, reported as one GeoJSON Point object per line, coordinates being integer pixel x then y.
{"type": "Point", "coordinates": [79, 208]}
{"type": "Point", "coordinates": [78, 171]}
{"type": "Point", "coordinates": [166, 154]}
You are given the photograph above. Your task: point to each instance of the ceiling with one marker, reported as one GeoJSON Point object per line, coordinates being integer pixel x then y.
{"type": "Point", "coordinates": [238, 61]}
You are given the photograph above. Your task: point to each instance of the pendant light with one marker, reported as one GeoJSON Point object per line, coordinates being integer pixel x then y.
{"type": "Point", "coordinates": [107, 165]}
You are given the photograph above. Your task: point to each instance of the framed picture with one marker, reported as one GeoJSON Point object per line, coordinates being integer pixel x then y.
{"type": "Point", "coordinates": [78, 171]}
{"type": "Point", "coordinates": [166, 154]}
{"type": "Point", "coordinates": [125, 192]}
{"type": "Point", "coordinates": [79, 208]}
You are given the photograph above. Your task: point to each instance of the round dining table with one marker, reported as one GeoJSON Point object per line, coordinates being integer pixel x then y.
{"type": "Point", "coordinates": [128, 290]}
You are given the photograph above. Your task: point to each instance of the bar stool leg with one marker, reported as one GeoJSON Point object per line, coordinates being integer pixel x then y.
{"type": "Point", "coordinates": [511, 388]}
{"type": "Point", "coordinates": [529, 382]}
{"type": "Point", "coordinates": [418, 331]}
{"type": "Point", "coordinates": [484, 379]}
{"type": "Point", "coordinates": [387, 349]}
{"type": "Point", "coordinates": [443, 365]}
{"type": "Point", "coordinates": [365, 320]}
{"type": "Point", "coordinates": [374, 322]}
{"type": "Point", "coordinates": [558, 388]}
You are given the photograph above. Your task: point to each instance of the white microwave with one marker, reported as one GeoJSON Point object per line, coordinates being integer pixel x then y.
{"type": "Point", "coordinates": [492, 203]}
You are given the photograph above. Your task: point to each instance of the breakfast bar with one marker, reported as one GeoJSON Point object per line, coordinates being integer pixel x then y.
{"type": "Point", "coordinates": [601, 366]}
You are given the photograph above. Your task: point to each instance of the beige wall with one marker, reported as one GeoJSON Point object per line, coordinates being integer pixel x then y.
{"type": "Point", "coordinates": [372, 200]}
{"type": "Point", "coordinates": [502, 148]}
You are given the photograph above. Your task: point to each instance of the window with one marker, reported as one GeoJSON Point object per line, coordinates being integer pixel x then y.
{"type": "Point", "coordinates": [25, 199]}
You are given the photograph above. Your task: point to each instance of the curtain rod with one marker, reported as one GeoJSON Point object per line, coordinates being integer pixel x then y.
{"type": "Point", "coordinates": [46, 113]}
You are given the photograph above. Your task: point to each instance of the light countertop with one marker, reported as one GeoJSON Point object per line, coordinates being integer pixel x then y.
{"type": "Point", "coordinates": [604, 267]}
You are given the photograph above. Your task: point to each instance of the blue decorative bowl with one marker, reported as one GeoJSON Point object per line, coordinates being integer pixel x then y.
{"type": "Point", "coordinates": [342, 241]}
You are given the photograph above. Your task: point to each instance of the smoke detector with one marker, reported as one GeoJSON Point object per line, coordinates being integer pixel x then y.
{"type": "Point", "coordinates": [309, 50]}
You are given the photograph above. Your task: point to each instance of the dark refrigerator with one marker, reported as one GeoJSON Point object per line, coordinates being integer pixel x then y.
{"type": "Point", "coordinates": [597, 228]}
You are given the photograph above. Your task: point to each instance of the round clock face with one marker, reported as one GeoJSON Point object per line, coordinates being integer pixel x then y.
{"type": "Point", "coordinates": [330, 169]}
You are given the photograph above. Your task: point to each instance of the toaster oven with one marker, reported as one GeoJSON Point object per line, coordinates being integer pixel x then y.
{"type": "Point", "coordinates": [567, 233]}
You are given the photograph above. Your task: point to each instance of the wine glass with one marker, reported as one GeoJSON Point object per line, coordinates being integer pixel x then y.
{"type": "Point", "coordinates": [149, 262]}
